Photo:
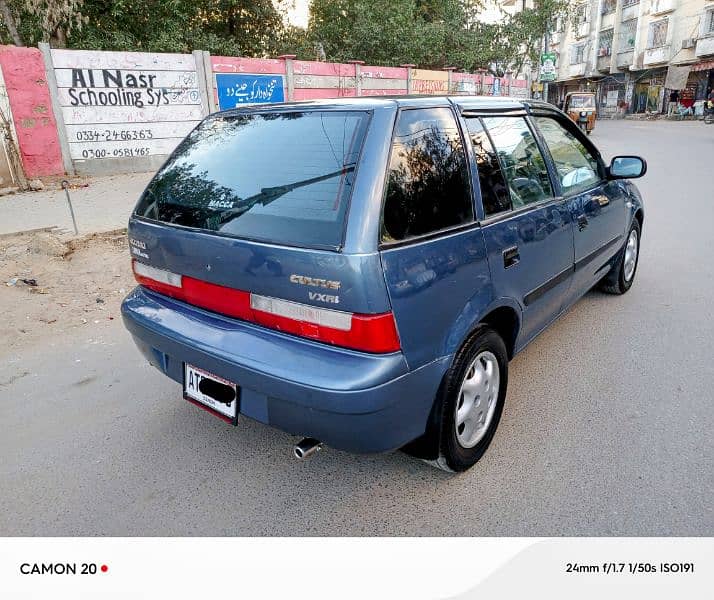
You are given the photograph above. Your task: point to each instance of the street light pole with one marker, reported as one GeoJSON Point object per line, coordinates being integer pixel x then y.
{"type": "Point", "coordinates": [545, 49]}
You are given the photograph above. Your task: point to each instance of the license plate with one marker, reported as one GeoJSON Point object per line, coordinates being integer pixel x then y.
{"type": "Point", "coordinates": [210, 391]}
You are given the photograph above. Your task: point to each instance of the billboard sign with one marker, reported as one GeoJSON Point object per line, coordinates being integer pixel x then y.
{"type": "Point", "coordinates": [548, 72]}
{"type": "Point", "coordinates": [238, 89]}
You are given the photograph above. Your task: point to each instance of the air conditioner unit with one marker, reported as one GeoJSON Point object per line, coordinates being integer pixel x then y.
{"type": "Point", "coordinates": [688, 43]}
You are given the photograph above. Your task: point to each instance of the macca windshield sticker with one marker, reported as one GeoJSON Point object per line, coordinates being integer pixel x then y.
{"type": "Point", "coordinates": [221, 204]}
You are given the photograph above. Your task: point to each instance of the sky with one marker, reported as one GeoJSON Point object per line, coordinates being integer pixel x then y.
{"type": "Point", "coordinates": [298, 14]}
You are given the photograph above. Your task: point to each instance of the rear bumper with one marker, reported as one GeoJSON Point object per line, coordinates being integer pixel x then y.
{"type": "Point", "coordinates": [349, 400]}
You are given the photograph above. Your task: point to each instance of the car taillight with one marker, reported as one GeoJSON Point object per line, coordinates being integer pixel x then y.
{"type": "Point", "coordinates": [369, 333]}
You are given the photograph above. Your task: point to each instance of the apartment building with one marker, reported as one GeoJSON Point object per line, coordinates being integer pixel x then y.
{"type": "Point", "coordinates": [624, 50]}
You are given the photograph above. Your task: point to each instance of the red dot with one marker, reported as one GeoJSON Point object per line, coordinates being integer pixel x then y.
{"type": "Point", "coordinates": [104, 568]}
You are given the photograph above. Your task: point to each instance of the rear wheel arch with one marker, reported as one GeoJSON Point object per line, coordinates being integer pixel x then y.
{"type": "Point", "coordinates": [505, 321]}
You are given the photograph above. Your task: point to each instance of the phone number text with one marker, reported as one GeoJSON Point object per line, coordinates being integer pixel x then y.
{"type": "Point", "coordinates": [112, 135]}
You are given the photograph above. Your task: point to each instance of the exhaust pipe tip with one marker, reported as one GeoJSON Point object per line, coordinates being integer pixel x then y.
{"type": "Point", "coordinates": [307, 448]}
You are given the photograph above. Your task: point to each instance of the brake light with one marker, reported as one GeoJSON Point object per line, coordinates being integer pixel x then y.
{"type": "Point", "coordinates": [369, 333]}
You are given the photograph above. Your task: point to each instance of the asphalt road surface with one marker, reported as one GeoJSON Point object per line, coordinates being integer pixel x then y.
{"type": "Point", "coordinates": [607, 428]}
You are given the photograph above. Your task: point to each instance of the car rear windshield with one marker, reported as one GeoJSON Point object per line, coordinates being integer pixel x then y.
{"type": "Point", "coordinates": [280, 177]}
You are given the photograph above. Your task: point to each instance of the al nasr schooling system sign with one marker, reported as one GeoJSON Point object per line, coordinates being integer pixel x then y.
{"type": "Point", "coordinates": [123, 104]}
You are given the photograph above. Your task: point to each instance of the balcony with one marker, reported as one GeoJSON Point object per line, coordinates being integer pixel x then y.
{"type": "Point", "coordinates": [658, 55]}
{"type": "Point", "coordinates": [661, 7]}
{"type": "Point", "coordinates": [576, 70]}
{"type": "Point", "coordinates": [603, 63]}
{"type": "Point", "coordinates": [582, 29]}
{"type": "Point", "coordinates": [625, 59]}
{"type": "Point", "coordinates": [705, 46]}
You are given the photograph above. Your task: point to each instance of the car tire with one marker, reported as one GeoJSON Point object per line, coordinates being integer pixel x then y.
{"type": "Point", "coordinates": [468, 405]}
{"type": "Point", "coordinates": [622, 274]}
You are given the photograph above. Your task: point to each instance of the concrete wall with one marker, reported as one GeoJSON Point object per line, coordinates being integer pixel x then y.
{"type": "Point", "coordinates": [126, 111]}
{"type": "Point", "coordinates": [31, 106]}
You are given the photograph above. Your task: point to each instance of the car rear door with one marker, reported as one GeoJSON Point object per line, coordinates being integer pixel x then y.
{"type": "Point", "coordinates": [597, 205]}
{"type": "Point", "coordinates": [431, 247]}
{"type": "Point", "coordinates": [527, 229]}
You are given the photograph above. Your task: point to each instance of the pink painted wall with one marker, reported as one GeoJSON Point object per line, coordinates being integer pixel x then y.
{"type": "Point", "coordinates": [315, 80]}
{"type": "Point", "coordinates": [29, 96]}
{"type": "Point", "coordinates": [235, 64]}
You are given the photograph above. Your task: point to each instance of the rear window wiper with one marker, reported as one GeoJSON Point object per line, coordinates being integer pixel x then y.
{"type": "Point", "coordinates": [268, 195]}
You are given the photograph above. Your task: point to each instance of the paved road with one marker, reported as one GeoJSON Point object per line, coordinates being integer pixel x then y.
{"type": "Point", "coordinates": [607, 428]}
{"type": "Point", "coordinates": [104, 205]}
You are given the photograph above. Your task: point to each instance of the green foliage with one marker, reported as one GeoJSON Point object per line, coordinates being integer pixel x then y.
{"type": "Point", "coordinates": [429, 33]}
{"type": "Point", "coordinates": [233, 27]}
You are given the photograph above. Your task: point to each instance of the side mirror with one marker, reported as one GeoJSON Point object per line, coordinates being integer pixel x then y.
{"type": "Point", "coordinates": [627, 167]}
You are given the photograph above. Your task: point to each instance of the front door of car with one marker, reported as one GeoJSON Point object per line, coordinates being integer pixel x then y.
{"type": "Point", "coordinates": [527, 231]}
{"type": "Point", "coordinates": [597, 206]}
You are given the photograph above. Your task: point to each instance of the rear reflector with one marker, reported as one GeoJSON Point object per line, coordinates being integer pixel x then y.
{"type": "Point", "coordinates": [369, 333]}
{"type": "Point", "coordinates": [160, 275]}
{"type": "Point", "coordinates": [302, 312]}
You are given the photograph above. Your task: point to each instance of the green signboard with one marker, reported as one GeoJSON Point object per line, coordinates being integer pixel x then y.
{"type": "Point", "coordinates": [548, 72]}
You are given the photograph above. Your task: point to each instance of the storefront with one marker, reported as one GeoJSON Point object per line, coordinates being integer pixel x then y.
{"type": "Point", "coordinates": [701, 79]}
{"type": "Point", "coordinates": [611, 94]}
{"type": "Point", "coordinates": [648, 93]}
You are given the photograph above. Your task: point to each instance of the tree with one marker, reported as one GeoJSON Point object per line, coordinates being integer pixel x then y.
{"type": "Point", "coordinates": [28, 22]}
{"type": "Point", "coordinates": [430, 33]}
{"type": "Point", "coordinates": [233, 27]}
{"type": "Point", "coordinates": [8, 20]}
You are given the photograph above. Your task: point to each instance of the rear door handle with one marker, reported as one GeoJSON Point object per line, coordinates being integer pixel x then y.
{"type": "Point", "coordinates": [511, 256]}
{"type": "Point", "coordinates": [582, 222]}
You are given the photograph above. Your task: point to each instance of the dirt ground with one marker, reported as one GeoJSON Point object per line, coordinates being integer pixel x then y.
{"type": "Point", "coordinates": [70, 283]}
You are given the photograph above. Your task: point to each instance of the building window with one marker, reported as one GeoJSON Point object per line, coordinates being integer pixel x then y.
{"type": "Point", "coordinates": [581, 14]}
{"type": "Point", "coordinates": [604, 47]}
{"type": "Point", "coordinates": [577, 54]}
{"type": "Point", "coordinates": [709, 22]}
{"type": "Point", "coordinates": [628, 31]}
{"type": "Point", "coordinates": [608, 6]}
{"type": "Point", "coordinates": [658, 34]}
{"type": "Point", "coordinates": [626, 3]}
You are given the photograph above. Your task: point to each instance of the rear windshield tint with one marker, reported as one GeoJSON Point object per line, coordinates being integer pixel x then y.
{"type": "Point", "coordinates": [283, 177]}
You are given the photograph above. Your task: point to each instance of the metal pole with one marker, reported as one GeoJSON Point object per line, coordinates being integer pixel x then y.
{"type": "Point", "coordinates": [65, 187]}
{"type": "Point", "coordinates": [545, 83]}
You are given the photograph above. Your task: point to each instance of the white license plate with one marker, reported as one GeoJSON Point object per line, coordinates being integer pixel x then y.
{"type": "Point", "coordinates": [218, 394]}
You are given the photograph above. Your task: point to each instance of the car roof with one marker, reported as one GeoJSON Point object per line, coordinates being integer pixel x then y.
{"type": "Point", "coordinates": [463, 103]}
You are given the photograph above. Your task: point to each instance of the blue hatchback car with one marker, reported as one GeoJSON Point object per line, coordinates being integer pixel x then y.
{"type": "Point", "coordinates": [359, 272]}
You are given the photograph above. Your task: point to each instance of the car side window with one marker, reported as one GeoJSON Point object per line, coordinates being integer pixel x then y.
{"type": "Point", "coordinates": [428, 183]}
{"type": "Point", "coordinates": [577, 167]}
{"type": "Point", "coordinates": [494, 191]}
{"type": "Point", "coordinates": [521, 160]}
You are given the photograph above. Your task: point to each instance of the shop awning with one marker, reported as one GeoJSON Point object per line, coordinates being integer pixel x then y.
{"type": "Point", "coordinates": [677, 77]}
{"type": "Point", "coordinates": [703, 66]}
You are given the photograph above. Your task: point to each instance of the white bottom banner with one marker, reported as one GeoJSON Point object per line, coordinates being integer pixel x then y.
{"type": "Point", "coordinates": [359, 568]}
